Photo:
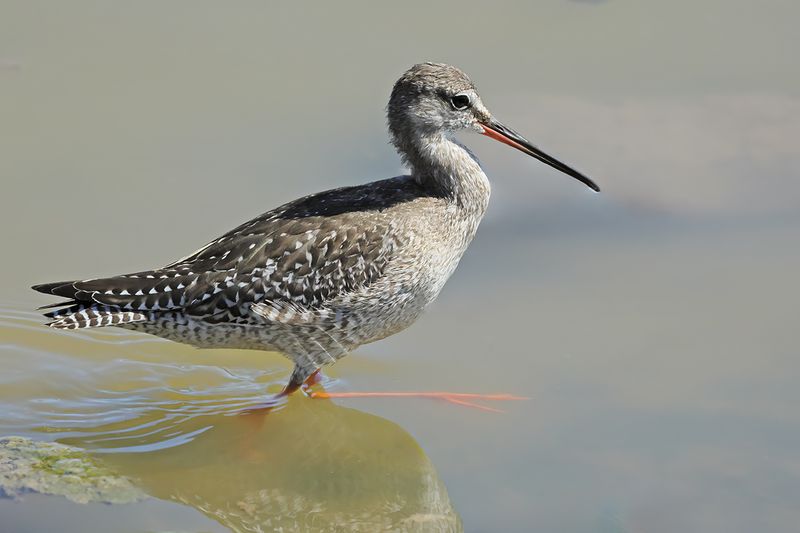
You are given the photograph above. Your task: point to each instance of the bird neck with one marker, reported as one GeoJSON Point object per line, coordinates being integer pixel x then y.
{"type": "Point", "coordinates": [440, 163]}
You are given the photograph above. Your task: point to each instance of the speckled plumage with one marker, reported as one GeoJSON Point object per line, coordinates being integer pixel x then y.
{"type": "Point", "coordinates": [322, 275]}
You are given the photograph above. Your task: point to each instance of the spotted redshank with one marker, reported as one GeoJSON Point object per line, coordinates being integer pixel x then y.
{"type": "Point", "coordinates": [322, 275]}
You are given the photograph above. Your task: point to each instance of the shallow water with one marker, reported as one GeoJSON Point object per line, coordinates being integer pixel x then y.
{"type": "Point", "coordinates": [182, 432]}
{"type": "Point", "coordinates": [653, 326]}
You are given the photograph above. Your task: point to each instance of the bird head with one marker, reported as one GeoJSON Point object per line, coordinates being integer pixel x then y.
{"type": "Point", "coordinates": [434, 98]}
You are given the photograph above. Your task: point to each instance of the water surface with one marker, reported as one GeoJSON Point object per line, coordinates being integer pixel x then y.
{"type": "Point", "coordinates": [653, 326]}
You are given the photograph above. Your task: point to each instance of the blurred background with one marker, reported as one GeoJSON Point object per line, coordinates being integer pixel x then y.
{"type": "Point", "coordinates": [653, 326]}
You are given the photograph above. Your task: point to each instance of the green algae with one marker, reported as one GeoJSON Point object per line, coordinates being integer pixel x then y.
{"type": "Point", "coordinates": [29, 466]}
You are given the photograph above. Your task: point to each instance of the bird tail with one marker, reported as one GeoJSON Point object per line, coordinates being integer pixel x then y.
{"type": "Point", "coordinates": [78, 315]}
{"type": "Point", "coordinates": [105, 302]}
{"type": "Point", "coordinates": [128, 298]}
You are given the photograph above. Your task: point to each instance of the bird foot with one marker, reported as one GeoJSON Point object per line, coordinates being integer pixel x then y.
{"type": "Point", "coordinates": [280, 399]}
{"type": "Point", "coordinates": [458, 398]}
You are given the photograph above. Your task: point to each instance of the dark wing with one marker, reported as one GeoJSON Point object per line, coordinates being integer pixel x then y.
{"type": "Point", "coordinates": [303, 253]}
{"type": "Point", "coordinates": [303, 262]}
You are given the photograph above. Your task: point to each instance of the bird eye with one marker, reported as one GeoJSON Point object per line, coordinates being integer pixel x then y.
{"type": "Point", "coordinates": [460, 101]}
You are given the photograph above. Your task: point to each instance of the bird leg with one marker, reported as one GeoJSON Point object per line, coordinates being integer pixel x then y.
{"type": "Point", "coordinates": [306, 378]}
{"type": "Point", "coordinates": [301, 378]}
{"type": "Point", "coordinates": [458, 398]}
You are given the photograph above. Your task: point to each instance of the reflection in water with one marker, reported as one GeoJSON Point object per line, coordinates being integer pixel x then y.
{"type": "Point", "coordinates": [307, 465]}
{"type": "Point", "coordinates": [310, 466]}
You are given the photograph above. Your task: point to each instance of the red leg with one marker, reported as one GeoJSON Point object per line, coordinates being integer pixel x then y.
{"type": "Point", "coordinates": [292, 386]}
{"type": "Point", "coordinates": [276, 400]}
{"type": "Point", "coordinates": [458, 398]}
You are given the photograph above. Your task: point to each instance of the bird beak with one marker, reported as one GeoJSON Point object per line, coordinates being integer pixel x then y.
{"type": "Point", "coordinates": [498, 132]}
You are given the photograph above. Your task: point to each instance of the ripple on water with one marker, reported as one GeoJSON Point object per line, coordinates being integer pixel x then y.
{"type": "Point", "coordinates": [112, 390]}
{"type": "Point", "coordinates": [170, 416]}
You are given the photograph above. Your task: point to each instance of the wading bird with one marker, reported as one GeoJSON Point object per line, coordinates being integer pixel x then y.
{"type": "Point", "coordinates": [322, 275]}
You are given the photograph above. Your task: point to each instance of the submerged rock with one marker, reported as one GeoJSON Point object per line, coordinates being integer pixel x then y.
{"type": "Point", "coordinates": [29, 466]}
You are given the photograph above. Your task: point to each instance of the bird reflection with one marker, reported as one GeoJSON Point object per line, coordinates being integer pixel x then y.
{"type": "Point", "coordinates": [308, 465]}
